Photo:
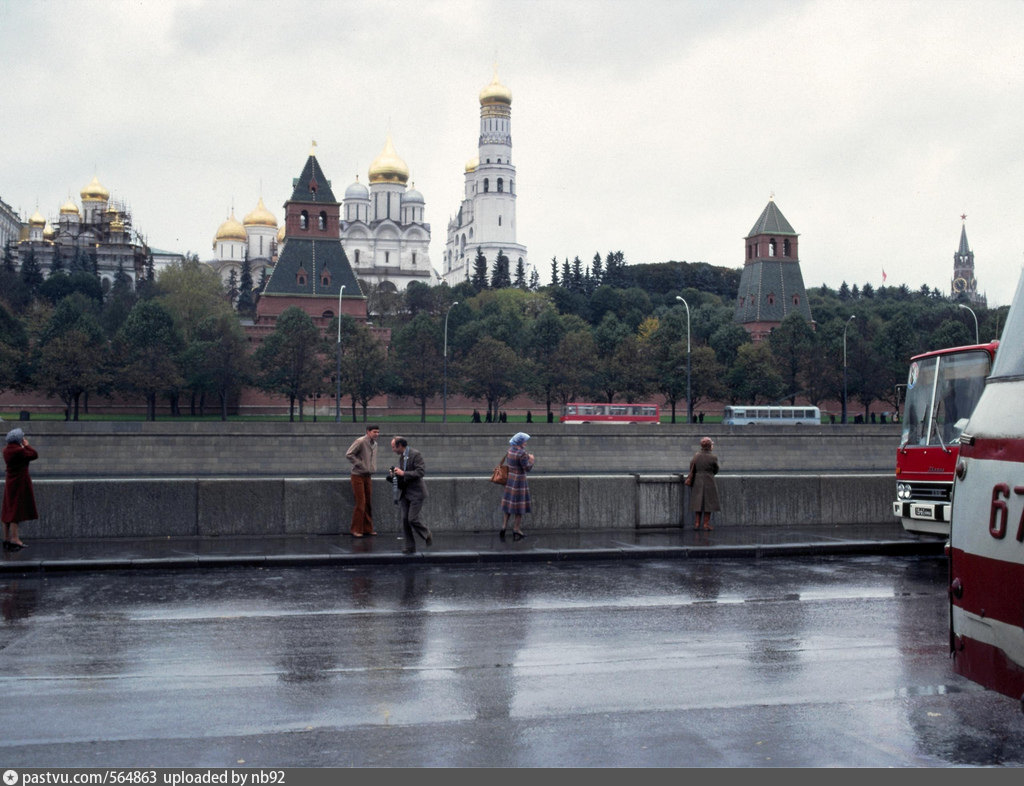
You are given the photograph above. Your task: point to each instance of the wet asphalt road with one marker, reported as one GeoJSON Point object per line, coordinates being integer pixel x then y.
{"type": "Point", "coordinates": [813, 662]}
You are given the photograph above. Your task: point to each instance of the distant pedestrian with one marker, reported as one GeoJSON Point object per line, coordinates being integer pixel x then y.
{"type": "Point", "coordinates": [516, 500]}
{"type": "Point", "coordinates": [363, 455]}
{"type": "Point", "coordinates": [487, 417]}
{"type": "Point", "coordinates": [19, 498]}
{"type": "Point", "coordinates": [476, 416]}
{"type": "Point", "coordinates": [700, 417]}
{"type": "Point", "coordinates": [703, 490]}
{"type": "Point", "coordinates": [407, 476]}
{"type": "Point", "coordinates": [529, 416]}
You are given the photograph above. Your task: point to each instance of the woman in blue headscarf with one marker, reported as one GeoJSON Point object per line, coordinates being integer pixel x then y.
{"type": "Point", "coordinates": [516, 500]}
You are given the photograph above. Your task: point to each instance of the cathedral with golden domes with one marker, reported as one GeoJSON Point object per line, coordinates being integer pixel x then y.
{"type": "Point", "coordinates": [98, 237]}
{"type": "Point", "coordinates": [486, 221]}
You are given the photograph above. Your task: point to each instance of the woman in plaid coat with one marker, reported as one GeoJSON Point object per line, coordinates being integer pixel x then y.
{"type": "Point", "coordinates": [516, 500]}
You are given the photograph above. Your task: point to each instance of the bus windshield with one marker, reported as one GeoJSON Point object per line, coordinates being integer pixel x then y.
{"type": "Point", "coordinates": [941, 394]}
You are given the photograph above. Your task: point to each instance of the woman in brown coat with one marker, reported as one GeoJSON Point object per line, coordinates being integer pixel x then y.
{"type": "Point", "coordinates": [703, 491]}
{"type": "Point", "coordinates": [19, 499]}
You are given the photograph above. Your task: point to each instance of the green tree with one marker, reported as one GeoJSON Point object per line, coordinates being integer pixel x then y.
{"type": "Point", "coordinates": [245, 305]}
{"type": "Point", "coordinates": [416, 361]}
{"type": "Point", "coordinates": [754, 379]}
{"type": "Point", "coordinates": [14, 361]}
{"type": "Point", "coordinates": [492, 371]}
{"type": "Point", "coordinates": [31, 275]}
{"type": "Point", "coordinates": [364, 366]}
{"type": "Point", "coordinates": [574, 363]}
{"type": "Point", "coordinates": [147, 349]}
{"type": "Point", "coordinates": [291, 360]}
{"type": "Point", "coordinates": [72, 353]}
{"type": "Point", "coordinates": [218, 360]}
{"type": "Point", "coordinates": [791, 344]}
{"type": "Point", "coordinates": [501, 277]}
{"type": "Point", "coordinates": [520, 279]}
{"type": "Point", "coordinates": [479, 276]}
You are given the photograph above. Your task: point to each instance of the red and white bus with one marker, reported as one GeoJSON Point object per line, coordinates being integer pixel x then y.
{"type": "Point", "coordinates": [986, 546]}
{"type": "Point", "coordinates": [942, 389]}
{"type": "Point", "coordinates": [583, 412]}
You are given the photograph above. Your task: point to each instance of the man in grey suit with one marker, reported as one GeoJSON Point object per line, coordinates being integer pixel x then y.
{"type": "Point", "coordinates": [407, 475]}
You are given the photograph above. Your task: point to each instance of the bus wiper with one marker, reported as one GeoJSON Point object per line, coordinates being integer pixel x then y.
{"type": "Point", "coordinates": [938, 435]}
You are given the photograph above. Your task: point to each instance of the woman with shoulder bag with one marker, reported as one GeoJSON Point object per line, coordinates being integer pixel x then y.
{"type": "Point", "coordinates": [516, 500]}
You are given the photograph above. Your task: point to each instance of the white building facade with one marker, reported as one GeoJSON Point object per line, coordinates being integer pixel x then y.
{"type": "Point", "coordinates": [383, 228]}
{"type": "Point", "coordinates": [486, 221]}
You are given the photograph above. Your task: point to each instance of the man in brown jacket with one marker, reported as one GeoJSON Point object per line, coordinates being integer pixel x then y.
{"type": "Point", "coordinates": [363, 455]}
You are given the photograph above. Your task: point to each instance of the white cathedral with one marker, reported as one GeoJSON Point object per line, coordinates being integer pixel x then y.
{"type": "Point", "coordinates": [383, 231]}
{"type": "Point", "coordinates": [486, 221]}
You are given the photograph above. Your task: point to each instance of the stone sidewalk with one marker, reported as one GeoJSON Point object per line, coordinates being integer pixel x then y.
{"type": "Point", "coordinates": [464, 548]}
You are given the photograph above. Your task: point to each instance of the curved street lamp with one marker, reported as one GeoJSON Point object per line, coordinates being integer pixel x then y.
{"type": "Point", "coordinates": [444, 412]}
{"type": "Point", "coordinates": [852, 317]}
{"type": "Point", "coordinates": [689, 399]}
{"type": "Point", "coordinates": [977, 340]}
{"type": "Point", "coordinates": [337, 397]}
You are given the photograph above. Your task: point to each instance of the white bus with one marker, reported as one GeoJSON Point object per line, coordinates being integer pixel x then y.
{"type": "Point", "coordinates": [772, 416]}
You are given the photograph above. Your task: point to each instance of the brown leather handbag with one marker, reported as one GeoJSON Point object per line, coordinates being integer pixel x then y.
{"type": "Point", "coordinates": [500, 473]}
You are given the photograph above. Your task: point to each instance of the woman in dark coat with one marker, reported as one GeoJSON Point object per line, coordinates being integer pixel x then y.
{"type": "Point", "coordinates": [703, 490]}
{"type": "Point", "coordinates": [516, 500]}
{"type": "Point", "coordinates": [19, 499]}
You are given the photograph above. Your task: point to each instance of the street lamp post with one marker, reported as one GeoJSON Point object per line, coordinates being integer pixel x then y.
{"type": "Point", "coordinates": [689, 398]}
{"type": "Point", "coordinates": [444, 413]}
{"type": "Point", "coordinates": [337, 397]}
{"type": "Point", "coordinates": [977, 339]}
{"type": "Point", "coordinates": [852, 317]}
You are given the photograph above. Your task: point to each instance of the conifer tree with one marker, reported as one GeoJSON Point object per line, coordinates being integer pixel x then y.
{"type": "Point", "coordinates": [520, 280]}
{"type": "Point", "coordinates": [554, 271]}
{"type": "Point", "coordinates": [245, 303]}
{"type": "Point", "coordinates": [479, 277]}
{"type": "Point", "coordinates": [31, 275]}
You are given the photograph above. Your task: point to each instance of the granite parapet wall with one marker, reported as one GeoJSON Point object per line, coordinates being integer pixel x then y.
{"type": "Point", "coordinates": [256, 507]}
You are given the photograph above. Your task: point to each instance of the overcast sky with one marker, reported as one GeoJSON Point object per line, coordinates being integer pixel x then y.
{"type": "Point", "coordinates": [659, 129]}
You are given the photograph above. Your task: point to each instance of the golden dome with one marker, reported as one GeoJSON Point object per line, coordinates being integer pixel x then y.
{"type": "Point", "coordinates": [231, 230]}
{"type": "Point", "coordinates": [69, 208]}
{"type": "Point", "coordinates": [48, 233]}
{"type": "Point", "coordinates": [37, 220]}
{"type": "Point", "coordinates": [472, 164]}
{"type": "Point", "coordinates": [260, 217]}
{"type": "Point", "coordinates": [495, 92]}
{"type": "Point", "coordinates": [117, 225]}
{"type": "Point", "coordinates": [388, 167]}
{"type": "Point", "coordinates": [94, 192]}
{"type": "Point", "coordinates": [280, 234]}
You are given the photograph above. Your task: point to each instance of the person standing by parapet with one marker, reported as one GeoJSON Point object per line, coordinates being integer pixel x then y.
{"type": "Point", "coordinates": [516, 499]}
{"type": "Point", "coordinates": [407, 476]}
{"type": "Point", "coordinates": [363, 455]}
{"type": "Point", "coordinates": [703, 489]}
{"type": "Point", "coordinates": [19, 499]}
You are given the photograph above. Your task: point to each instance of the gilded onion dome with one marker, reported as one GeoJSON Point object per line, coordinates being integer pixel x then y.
{"type": "Point", "coordinates": [37, 220]}
{"type": "Point", "coordinates": [472, 164]}
{"type": "Point", "coordinates": [23, 233]}
{"type": "Point", "coordinates": [280, 234]}
{"type": "Point", "coordinates": [231, 230]}
{"type": "Point", "coordinates": [260, 217]}
{"type": "Point", "coordinates": [388, 167]}
{"type": "Point", "coordinates": [495, 92]}
{"type": "Point", "coordinates": [69, 208]}
{"type": "Point", "coordinates": [94, 192]}
{"type": "Point", "coordinates": [48, 232]}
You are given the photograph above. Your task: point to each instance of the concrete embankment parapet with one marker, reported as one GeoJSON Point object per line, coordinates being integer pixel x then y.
{"type": "Point", "coordinates": [180, 507]}
{"type": "Point", "coordinates": [189, 449]}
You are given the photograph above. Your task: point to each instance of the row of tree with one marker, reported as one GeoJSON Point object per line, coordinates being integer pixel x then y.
{"type": "Point", "coordinates": [602, 332]}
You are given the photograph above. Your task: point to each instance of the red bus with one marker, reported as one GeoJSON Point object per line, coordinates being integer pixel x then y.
{"type": "Point", "coordinates": [986, 544]}
{"type": "Point", "coordinates": [582, 412]}
{"type": "Point", "coordinates": [943, 387]}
